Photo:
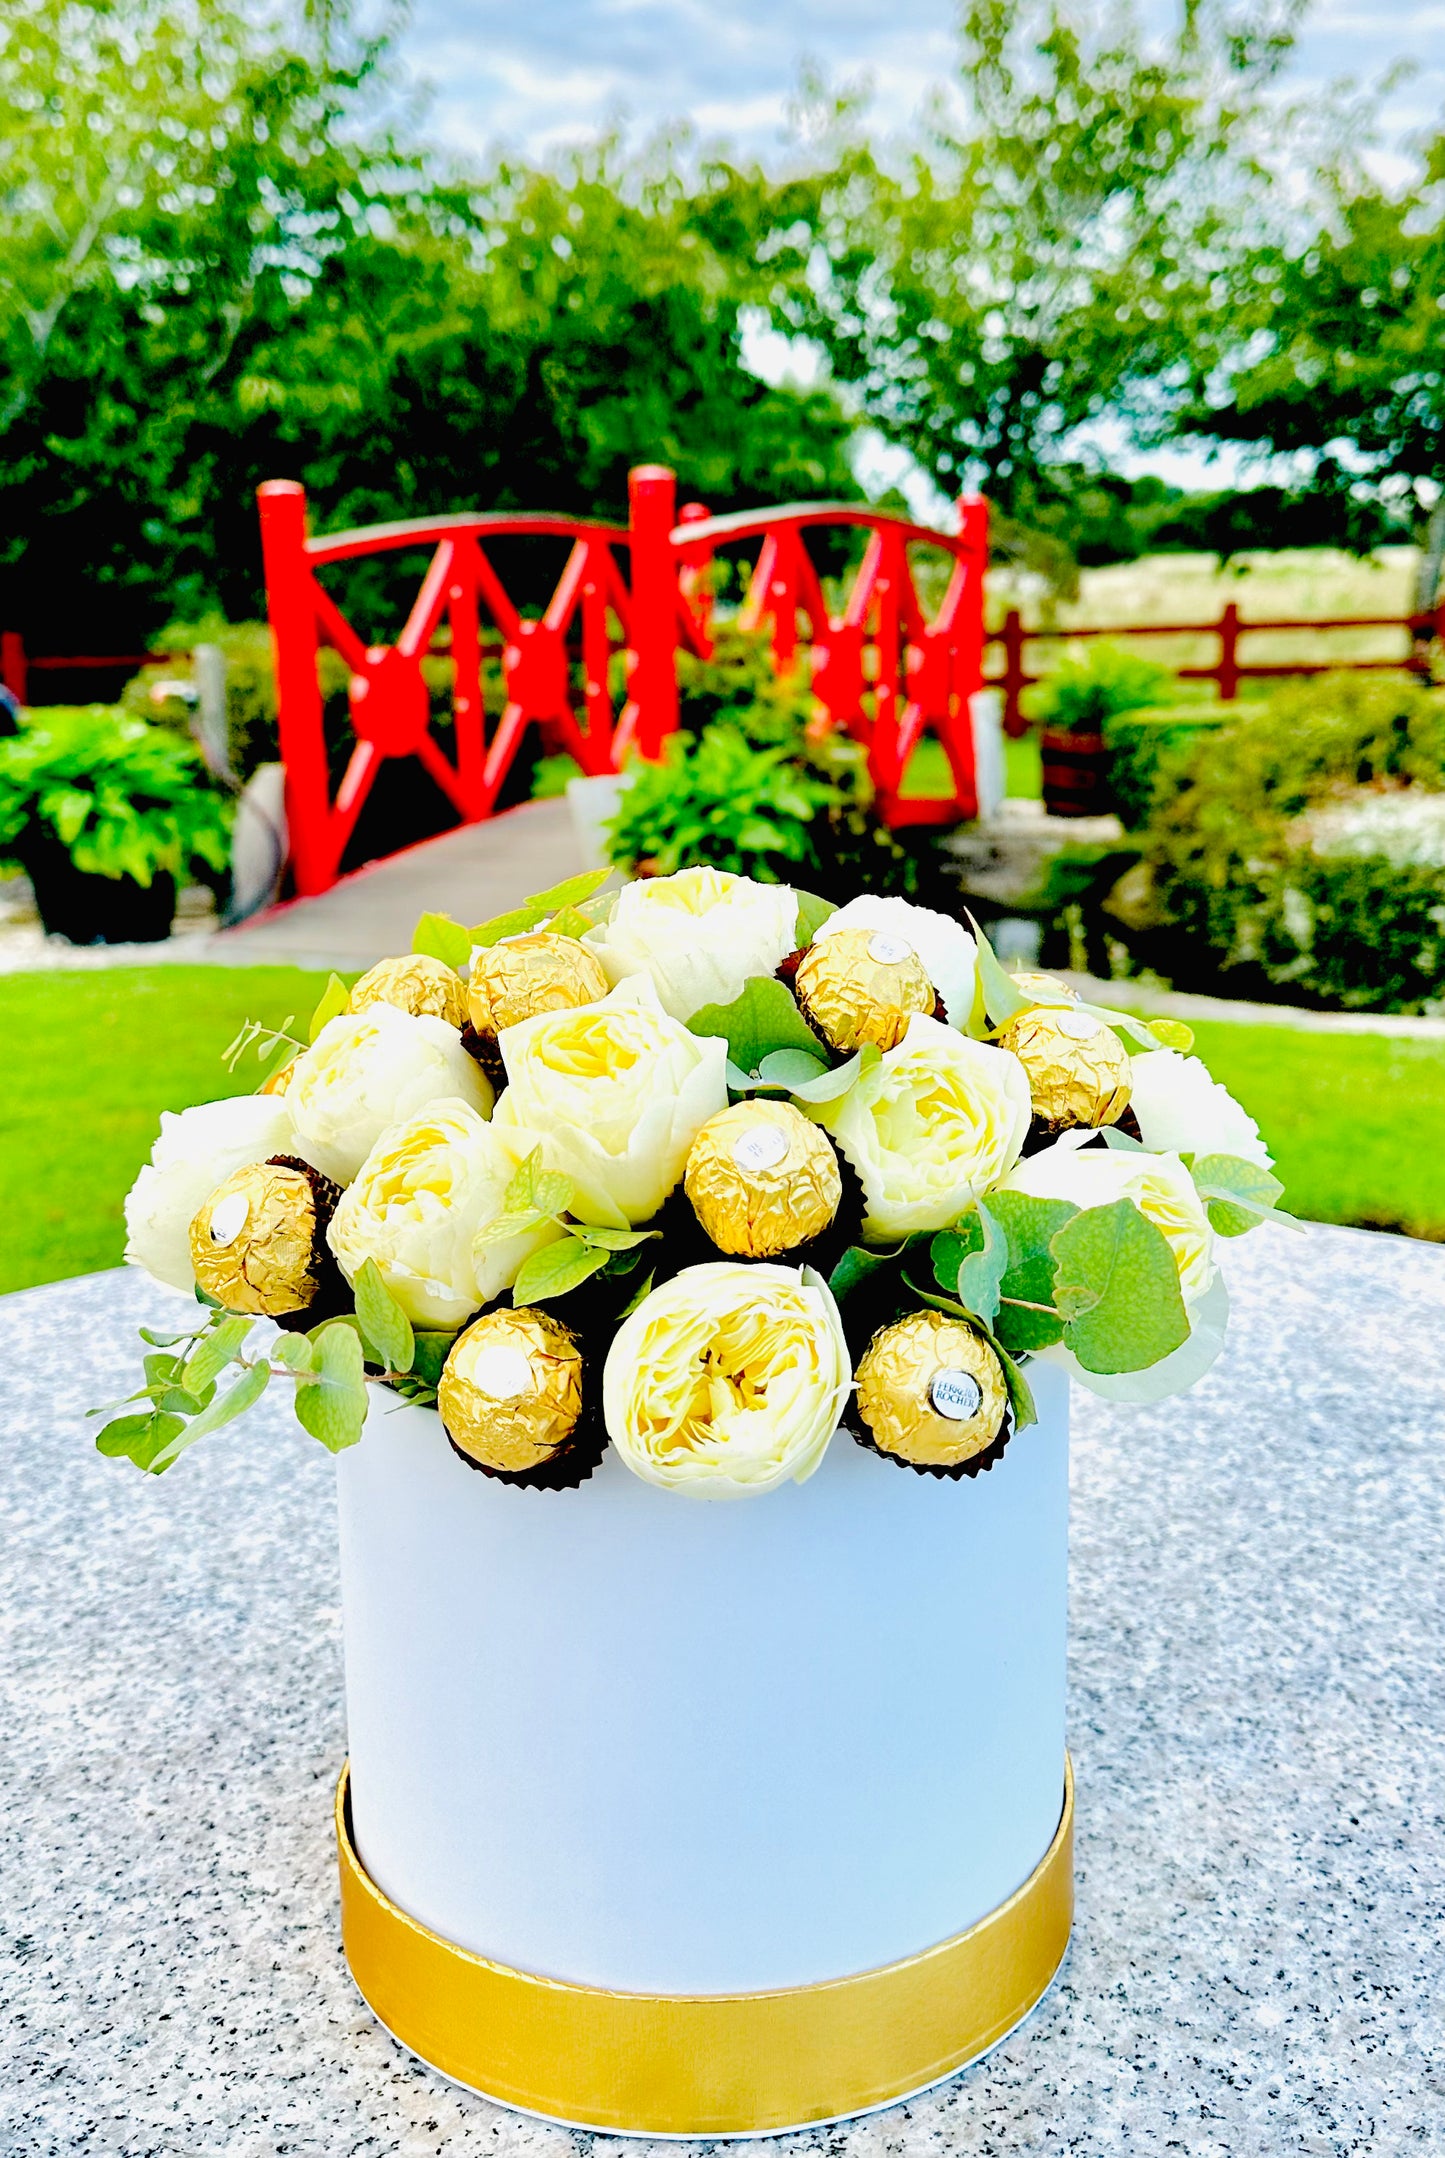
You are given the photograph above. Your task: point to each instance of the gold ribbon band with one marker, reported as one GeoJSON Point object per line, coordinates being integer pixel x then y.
{"type": "Point", "coordinates": [706, 2064]}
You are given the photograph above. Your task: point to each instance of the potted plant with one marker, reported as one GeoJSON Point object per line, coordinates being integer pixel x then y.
{"type": "Point", "coordinates": [105, 812]}
{"type": "Point", "coordinates": [707, 1769]}
{"type": "Point", "coordinates": [1073, 706]}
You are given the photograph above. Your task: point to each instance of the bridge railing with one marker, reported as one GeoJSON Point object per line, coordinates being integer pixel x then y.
{"type": "Point", "coordinates": [881, 668]}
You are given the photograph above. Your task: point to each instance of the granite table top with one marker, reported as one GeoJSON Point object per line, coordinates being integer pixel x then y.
{"type": "Point", "coordinates": [1258, 1697]}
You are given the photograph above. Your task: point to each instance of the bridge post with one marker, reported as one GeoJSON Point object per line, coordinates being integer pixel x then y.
{"type": "Point", "coordinates": [289, 603]}
{"type": "Point", "coordinates": [651, 494]}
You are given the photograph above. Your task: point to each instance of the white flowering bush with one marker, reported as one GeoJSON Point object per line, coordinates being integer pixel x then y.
{"type": "Point", "coordinates": [666, 1193]}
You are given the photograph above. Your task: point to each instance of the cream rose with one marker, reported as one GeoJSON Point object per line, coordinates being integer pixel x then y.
{"type": "Point", "coordinates": [197, 1150]}
{"type": "Point", "coordinates": [368, 1070]}
{"type": "Point", "coordinates": [618, 1091]}
{"type": "Point", "coordinates": [425, 1192]}
{"type": "Point", "coordinates": [937, 1121]}
{"type": "Point", "coordinates": [728, 1380]}
{"type": "Point", "coordinates": [1159, 1185]}
{"type": "Point", "coordinates": [698, 935]}
{"type": "Point", "coordinates": [945, 949]}
{"type": "Point", "coordinates": [1181, 1110]}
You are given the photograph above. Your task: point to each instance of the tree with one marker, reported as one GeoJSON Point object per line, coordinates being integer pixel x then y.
{"type": "Point", "coordinates": [1048, 253]}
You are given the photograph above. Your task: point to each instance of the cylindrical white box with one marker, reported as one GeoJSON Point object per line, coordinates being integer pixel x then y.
{"type": "Point", "coordinates": [631, 1740]}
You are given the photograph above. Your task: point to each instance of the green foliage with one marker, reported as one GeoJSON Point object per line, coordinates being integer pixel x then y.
{"type": "Point", "coordinates": [571, 895]}
{"type": "Point", "coordinates": [437, 936]}
{"type": "Point", "coordinates": [763, 1019]}
{"type": "Point", "coordinates": [383, 1322]}
{"type": "Point", "coordinates": [538, 1196]}
{"type": "Point", "coordinates": [1088, 690]}
{"type": "Point", "coordinates": [125, 799]}
{"type": "Point", "coordinates": [1249, 902]}
{"type": "Point", "coordinates": [1150, 751]}
{"type": "Point", "coordinates": [1116, 1288]}
{"type": "Point", "coordinates": [721, 801]}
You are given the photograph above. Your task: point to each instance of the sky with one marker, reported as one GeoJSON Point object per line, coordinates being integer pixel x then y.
{"type": "Point", "coordinates": [534, 75]}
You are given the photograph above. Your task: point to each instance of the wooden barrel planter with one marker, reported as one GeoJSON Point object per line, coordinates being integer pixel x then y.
{"type": "Point", "coordinates": [1076, 773]}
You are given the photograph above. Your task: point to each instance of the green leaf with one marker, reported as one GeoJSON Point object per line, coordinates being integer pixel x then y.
{"type": "Point", "coordinates": [537, 1191]}
{"type": "Point", "coordinates": [1238, 1194]}
{"type": "Point", "coordinates": [640, 1294]}
{"type": "Point", "coordinates": [555, 1269]}
{"type": "Point", "coordinates": [613, 1239]}
{"type": "Point", "coordinates": [213, 1352]}
{"type": "Point", "coordinates": [1172, 1034]}
{"type": "Point", "coordinates": [332, 1406]}
{"type": "Point", "coordinates": [1001, 1000]}
{"type": "Point", "coordinates": [1118, 1289]}
{"type": "Point", "coordinates": [764, 1018]}
{"type": "Point", "coordinates": [1022, 1330]}
{"type": "Point", "coordinates": [514, 923]}
{"type": "Point", "coordinates": [226, 1407]}
{"type": "Point", "coordinates": [438, 936]}
{"type": "Point", "coordinates": [1030, 1224]}
{"type": "Point", "coordinates": [432, 1351]}
{"type": "Point", "coordinates": [834, 1084]}
{"type": "Point", "coordinates": [812, 913]}
{"type": "Point", "coordinates": [570, 922]}
{"type": "Point", "coordinates": [739, 1081]}
{"type": "Point", "coordinates": [571, 892]}
{"type": "Point", "coordinates": [981, 1272]}
{"type": "Point", "coordinates": [792, 1068]}
{"type": "Point", "coordinates": [162, 1341]}
{"type": "Point", "coordinates": [858, 1266]}
{"type": "Point", "coordinates": [1020, 1393]}
{"type": "Point", "coordinates": [137, 1438]}
{"type": "Point", "coordinates": [384, 1322]}
{"type": "Point", "coordinates": [294, 1351]}
{"type": "Point", "coordinates": [334, 999]}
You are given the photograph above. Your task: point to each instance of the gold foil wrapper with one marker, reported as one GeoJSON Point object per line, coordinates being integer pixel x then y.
{"type": "Point", "coordinates": [419, 984]}
{"type": "Point", "coordinates": [517, 979]}
{"type": "Point", "coordinates": [511, 1392]}
{"type": "Point", "coordinates": [762, 1179]}
{"type": "Point", "coordinates": [1043, 985]}
{"type": "Point", "coordinates": [1078, 1069]}
{"type": "Point", "coordinates": [862, 985]}
{"type": "Point", "coordinates": [255, 1242]}
{"type": "Point", "coordinates": [931, 1391]}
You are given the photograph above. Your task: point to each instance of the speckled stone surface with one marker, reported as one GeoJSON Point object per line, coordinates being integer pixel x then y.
{"type": "Point", "coordinates": [1259, 1956]}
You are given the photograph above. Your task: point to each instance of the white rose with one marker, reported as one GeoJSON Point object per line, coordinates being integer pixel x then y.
{"type": "Point", "coordinates": [197, 1150]}
{"type": "Point", "coordinates": [948, 954]}
{"type": "Point", "coordinates": [937, 1121]}
{"type": "Point", "coordinates": [1181, 1110]}
{"type": "Point", "coordinates": [699, 935]}
{"type": "Point", "coordinates": [368, 1070]}
{"type": "Point", "coordinates": [420, 1199]}
{"type": "Point", "coordinates": [618, 1091]}
{"type": "Point", "coordinates": [728, 1380]}
{"type": "Point", "coordinates": [1159, 1185]}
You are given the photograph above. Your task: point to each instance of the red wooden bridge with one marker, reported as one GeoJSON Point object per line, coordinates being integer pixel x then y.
{"type": "Point", "coordinates": [882, 668]}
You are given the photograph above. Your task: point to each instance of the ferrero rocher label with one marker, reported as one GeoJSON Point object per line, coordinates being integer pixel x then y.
{"type": "Point", "coordinates": [1078, 1069]}
{"type": "Point", "coordinates": [511, 1391]}
{"type": "Point", "coordinates": [254, 1242]}
{"type": "Point", "coordinates": [522, 976]}
{"type": "Point", "coordinates": [931, 1391]}
{"type": "Point", "coordinates": [419, 984]}
{"type": "Point", "coordinates": [762, 1179]}
{"type": "Point", "coordinates": [861, 985]}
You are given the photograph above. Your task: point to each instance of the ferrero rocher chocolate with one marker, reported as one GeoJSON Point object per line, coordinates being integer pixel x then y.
{"type": "Point", "coordinates": [931, 1391]}
{"type": "Point", "coordinates": [862, 985]}
{"type": "Point", "coordinates": [1043, 985]}
{"type": "Point", "coordinates": [417, 983]}
{"type": "Point", "coordinates": [511, 1391]}
{"type": "Point", "coordinates": [762, 1179]}
{"type": "Point", "coordinates": [522, 976]}
{"type": "Point", "coordinates": [1078, 1069]}
{"type": "Point", "coordinates": [259, 1242]}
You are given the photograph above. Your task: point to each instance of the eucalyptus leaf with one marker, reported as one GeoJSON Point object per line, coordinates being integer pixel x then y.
{"type": "Point", "coordinates": [763, 1018]}
{"type": "Point", "coordinates": [138, 1438]}
{"type": "Point", "coordinates": [432, 1351]}
{"type": "Point", "coordinates": [812, 913]}
{"type": "Point", "coordinates": [572, 891]}
{"type": "Point", "coordinates": [332, 1406]}
{"type": "Point", "coordinates": [294, 1351]}
{"type": "Point", "coordinates": [1172, 1034]}
{"type": "Point", "coordinates": [1243, 1185]}
{"type": "Point", "coordinates": [382, 1318]}
{"type": "Point", "coordinates": [858, 1266]}
{"type": "Point", "coordinates": [613, 1239]}
{"type": "Point", "coordinates": [1020, 1394]}
{"type": "Point", "coordinates": [792, 1068]}
{"type": "Point", "coordinates": [214, 1351]}
{"type": "Point", "coordinates": [981, 1273]}
{"type": "Point", "coordinates": [569, 922]}
{"type": "Point", "coordinates": [514, 923]}
{"type": "Point", "coordinates": [555, 1269]}
{"type": "Point", "coordinates": [438, 936]}
{"type": "Point", "coordinates": [225, 1408]}
{"type": "Point", "coordinates": [1030, 1224]}
{"type": "Point", "coordinates": [1117, 1289]}
{"type": "Point", "coordinates": [334, 999]}
{"type": "Point", "coordinates": [1001, 1000]}
{"type": "Point", "coordinates": [833, 1085]}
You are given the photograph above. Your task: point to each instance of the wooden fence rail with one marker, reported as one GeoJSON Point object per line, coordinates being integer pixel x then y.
{"type": "Point", "coordinates": [1229, 670]}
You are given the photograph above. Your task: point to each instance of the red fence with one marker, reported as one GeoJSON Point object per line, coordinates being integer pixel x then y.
{"type": "Point", "coordinates": [17, 665]}
{"type": "Point", "coordinates": [882, 669]}
{"type": "Point", "coordinates": [1229, 670]}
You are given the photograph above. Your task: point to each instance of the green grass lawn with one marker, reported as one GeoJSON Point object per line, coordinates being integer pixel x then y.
{"type": "Point", "coordinates": [92, 1059]}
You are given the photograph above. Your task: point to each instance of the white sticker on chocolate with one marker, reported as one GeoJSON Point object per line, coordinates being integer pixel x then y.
{"type": "Point", "coordinates": [761, 1148]}
{"type": "Point", "coordinates": [1080, 1026]}
{"type": "Point", "coordinates": [956, 1395]}
{"type": "Point", "coordinates": [502, 1372]}
{"type": "Point", "coordinates": [228, 1218]}
{"type": "Point", "coordinates": [889, 951]}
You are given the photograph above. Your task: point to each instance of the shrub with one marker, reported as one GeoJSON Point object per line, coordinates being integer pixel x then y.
{"type": "Point", "coordinates": [1089, 689]}
{"type": "Point", "coordinates": [720, 800]}
{"type": "Point", "coordinates": [123, 797]}
{"type": "Point", "coordinates": [1273, 861]}
{"type": "Point", "coordinates": [1150, 752]}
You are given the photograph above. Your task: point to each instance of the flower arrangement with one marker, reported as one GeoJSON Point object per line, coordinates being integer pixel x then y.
{"type": "Point", "coordinates": [700, 1169]}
